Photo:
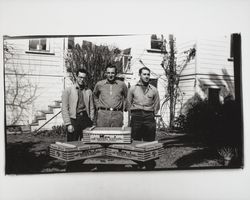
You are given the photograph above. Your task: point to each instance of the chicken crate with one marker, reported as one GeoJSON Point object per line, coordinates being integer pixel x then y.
{"type": "Point", "coordinates": [76, 150]}
{"type": "Point", "coordinates": [107, 135]}
{"type": "Point", "coordinates": [137, 151]}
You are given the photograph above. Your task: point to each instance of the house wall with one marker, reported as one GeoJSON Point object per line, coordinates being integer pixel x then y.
{"type": "Point", "coordinates": [44, 71]}
{"type": "Point", "coordinates": [213, 68]}
{"type": "Point", "coordinates": [209, 69]}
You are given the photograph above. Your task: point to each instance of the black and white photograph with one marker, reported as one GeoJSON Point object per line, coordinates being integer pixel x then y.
{"type": "Point", "coordinates": [124, 99]}
{"type": "Point", "coordinates": [122, 103]}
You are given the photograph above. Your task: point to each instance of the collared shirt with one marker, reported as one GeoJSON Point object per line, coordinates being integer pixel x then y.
{"type": "Point", "coordinates": [80, 103]}
{"type": "Point", "coordinates": [69, 103]}
{"type": "Point", "coordinates": [110, 95]}
{"type": "Point", "coordinates": [144, 99]}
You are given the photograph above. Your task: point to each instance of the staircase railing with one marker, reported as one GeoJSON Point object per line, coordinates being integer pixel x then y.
{"type": "Point", "coordinates": [48, 121]}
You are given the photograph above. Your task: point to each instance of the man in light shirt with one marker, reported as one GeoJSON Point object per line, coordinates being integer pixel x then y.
{"type": "Point", "coordinates": [144, 103]}
{"type": "Point", "coordinates": [110, 97]}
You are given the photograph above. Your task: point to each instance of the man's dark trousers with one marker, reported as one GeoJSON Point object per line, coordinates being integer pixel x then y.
{"type": "Point", "coordinates": [81, 122]}
{"type": "Point", "coordinates": [143, 125]}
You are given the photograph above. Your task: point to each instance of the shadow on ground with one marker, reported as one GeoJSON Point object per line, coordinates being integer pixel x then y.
{"type": "Point", "coordinates": [25, 158]}
{"type": "Point", "coordinates": [196, 157]}
{"type": "Point", "coordinates": [29, 155]}
{"type": "Point", "coordinates": [180, 141]}
{"type": "Point", "coordinates": [189, 152]}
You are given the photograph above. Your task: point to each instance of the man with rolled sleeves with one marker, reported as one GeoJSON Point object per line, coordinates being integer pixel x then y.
{"type": "Point", "coordinates": [144, 103]}
{"type": "Point", "coordinates": [110, 97]}
{"type": "Point", "coordinates": [77, 107]}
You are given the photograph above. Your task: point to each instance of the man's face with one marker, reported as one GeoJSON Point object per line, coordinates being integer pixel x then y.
{"type": "Point", "coordinates": [110, 74]}
{"type": "Point", "coordinates": [81, 79]}
{"type": "Point", "coordinates": [145, 76]}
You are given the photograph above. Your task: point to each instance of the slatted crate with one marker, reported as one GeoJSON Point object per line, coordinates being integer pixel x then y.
{"type": "Point", "coordinates": [107, 135]}
{"type": "Point", "coordinates": [77, 150]}
{"type": "Point", "coordinates": [137, 151]}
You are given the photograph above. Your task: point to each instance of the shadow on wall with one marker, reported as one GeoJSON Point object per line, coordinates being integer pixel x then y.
{"type": "Point", "coordinates": [225, 83]}
{"type": "Point", "coordinates": [213, 123]}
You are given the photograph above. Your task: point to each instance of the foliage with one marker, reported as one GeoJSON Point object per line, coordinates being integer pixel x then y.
{"type": "Point", "coordinates": [227, 152]}
{"type": "Point", "coordinates": [59, 130]}
{"type": "Point", "coordinates": [179, 122]}
{"type": "Point", "coordinates": [173, 72]}
{"type": "Point", "coordinates": [93, 59]}
{"type": "Point", "coordinates": [212, 123]}
{"type": "Point", "coordinates": [20, 91]}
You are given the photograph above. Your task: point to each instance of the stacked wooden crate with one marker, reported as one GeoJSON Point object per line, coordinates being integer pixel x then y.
{"type": "Point", "coordinates": [136, 151]}
{"type": "Point", "coordinates": [107, 143]}
{"type": "Point", "coordinates": [107, 135]}
{"type": "Point", "coordinates": [77, 150]}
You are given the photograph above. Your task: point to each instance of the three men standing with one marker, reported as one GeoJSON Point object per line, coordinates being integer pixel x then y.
{"type": "Point", "coordinates": [111, 98]}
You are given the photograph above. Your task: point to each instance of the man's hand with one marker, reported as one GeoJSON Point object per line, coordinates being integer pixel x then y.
{"type": "Point", "coordinates": [70, 128]}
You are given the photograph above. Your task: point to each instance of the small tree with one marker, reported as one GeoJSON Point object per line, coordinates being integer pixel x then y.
{"type": "Point", "coordinates": [173, 72]}
{"type": "Point", "coordinates": [20, 93]}
{"type": "Point", "coordinates": [93, 59]}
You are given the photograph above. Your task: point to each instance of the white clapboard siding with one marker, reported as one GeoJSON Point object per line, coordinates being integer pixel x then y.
{"type": "Point", "coordinates": [44, 71]}
{"type": "Point", "coordinates": [213, 56]}
{"type": "Point", "coordinates": [211, 60]}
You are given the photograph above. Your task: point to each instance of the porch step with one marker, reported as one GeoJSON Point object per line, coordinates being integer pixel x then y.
{"type": "Point", "coordinates": [47, 111]}
{"type": "Point", "coordinates": [34, 124]}
{"type": "Point", "coordinates": [40, 117]}
{"type": "Point", "coordinates": [44, 116]}
{"type": "Point", "coordinates": [54, 106]}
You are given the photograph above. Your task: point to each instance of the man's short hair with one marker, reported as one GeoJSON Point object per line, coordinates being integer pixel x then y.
{"type": "Point", "coordinates": [111, 66]}
{"type": "Point", "coordinates": [81, 70]}
{"type": "Point", "coordinates": [144, 68]}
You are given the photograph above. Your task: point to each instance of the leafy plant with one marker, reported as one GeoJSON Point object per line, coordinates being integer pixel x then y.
{"type": "Point", "coordinates": [173, 72]}
{"type": "Point", "coordinates": [179, 122]}
{"type": "Point", "coordinates": [227, 153]}
{"type": "Point", "coordinates": [59, 130]}
{"type": "Point", "coordinates": [93, 59]}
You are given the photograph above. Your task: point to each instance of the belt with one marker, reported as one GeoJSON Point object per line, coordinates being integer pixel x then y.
{"type": "Point", "coordinates": [141, 110]}
{"type": "Point", "coordinates": [81, 113]}
{"type": "Point", "coordinates": [110, 109]}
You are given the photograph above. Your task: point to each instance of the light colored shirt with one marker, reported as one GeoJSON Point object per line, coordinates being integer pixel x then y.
{"type": "Point", "coordinates": [147, 99]}
{"type": "Point", "coordinates": [110, 95]}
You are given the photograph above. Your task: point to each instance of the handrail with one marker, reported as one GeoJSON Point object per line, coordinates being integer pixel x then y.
{"type": "Point", "coordinates": [48, 121]}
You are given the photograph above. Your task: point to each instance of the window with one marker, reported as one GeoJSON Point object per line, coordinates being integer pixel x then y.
{"type": "Point", "coordinates": [71, 43]}
{"type": "Point", "coordinates": [213, 96]}
{"type": "Point", "coordinates": [38, 45]}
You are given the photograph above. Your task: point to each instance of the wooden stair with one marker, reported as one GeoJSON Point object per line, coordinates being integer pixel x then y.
{"type": "Point", "coordinates": [42, 119]}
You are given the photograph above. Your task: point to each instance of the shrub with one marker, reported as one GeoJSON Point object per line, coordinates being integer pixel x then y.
{"type": "Point", "coordinates": [59, 130]}
{"type": "Point", "coordinates": [215, 124]}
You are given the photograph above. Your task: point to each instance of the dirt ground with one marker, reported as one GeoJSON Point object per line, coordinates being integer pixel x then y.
{"type": "Point", "coordinates": [28, 154]}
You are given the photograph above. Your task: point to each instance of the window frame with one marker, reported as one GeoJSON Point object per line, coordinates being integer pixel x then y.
{"type": "Point", "coordinates": [46, 51]}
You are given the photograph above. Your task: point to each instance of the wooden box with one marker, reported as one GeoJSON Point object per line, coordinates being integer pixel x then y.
{"type": "Point", "coordinates": [107, 135]}
{"type": "Point", "coordinates": [76, 150]}
{"type": "Point", "coordinates": [137, 151]}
